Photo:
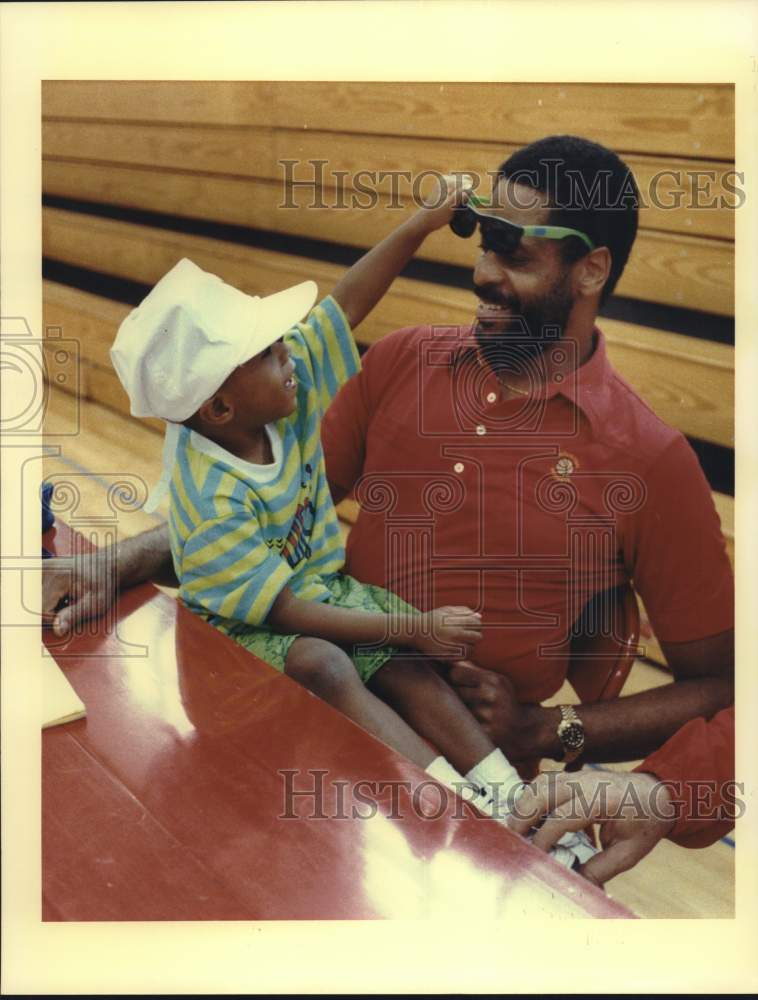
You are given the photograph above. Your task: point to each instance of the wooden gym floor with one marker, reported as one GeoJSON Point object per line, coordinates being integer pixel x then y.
{"type": "Point", "coordinates": [670, 882]}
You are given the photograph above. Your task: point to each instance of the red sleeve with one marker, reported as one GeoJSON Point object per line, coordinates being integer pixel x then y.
{"type": "Point", "coordinates": [346, 422]}
{"type": "Point", "coordinates": [343, 435]}
{"type": "Point", "coordinates": [676, 551]}
{"type": "Point", "coordinates": [697, 764]}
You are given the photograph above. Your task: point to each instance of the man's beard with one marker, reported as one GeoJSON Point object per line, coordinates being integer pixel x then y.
{"type": "Point", "coordinates": [517, 343]}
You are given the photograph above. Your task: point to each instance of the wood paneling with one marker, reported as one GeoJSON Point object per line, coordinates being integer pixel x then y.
{"type": "Point", "coordinates": [91, 319]}
{"type": "Point", "coordinates": [340, 160]}
{"type": "Point", "coordinates": [677, 270]}
{"type": "Point", "coordinates": [688, 382]}
{"type": "Point", "coordinates": [692, 120]}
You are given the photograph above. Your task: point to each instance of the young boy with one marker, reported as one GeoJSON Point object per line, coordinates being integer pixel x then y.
{"type": "Point", "coordinates": [254, 534]}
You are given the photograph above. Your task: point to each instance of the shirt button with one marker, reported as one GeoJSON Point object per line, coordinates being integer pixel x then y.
{"type": "Point", "coordinates": [491, 397]}
{"type": "Point", "coordinates": [481, 429]}
{"type": "Point", "coordinates": [458, 467]}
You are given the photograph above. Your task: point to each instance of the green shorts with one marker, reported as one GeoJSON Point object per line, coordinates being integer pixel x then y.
{"type": "Point", "coordinates": [346, 592]}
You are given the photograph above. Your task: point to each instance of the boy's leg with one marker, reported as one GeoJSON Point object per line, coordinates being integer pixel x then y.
{"type": "Point", "coordinates": [433, 709]}
{"type": "Point", "coordinates": [428, 703]}
{"type": "Point", "coordinates": [329, 673]}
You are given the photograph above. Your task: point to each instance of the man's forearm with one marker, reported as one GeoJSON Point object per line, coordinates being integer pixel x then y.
{"type": "Point", "coordinates": [145, 557]}
{"type": "Point", "coordinates": [630, 728]}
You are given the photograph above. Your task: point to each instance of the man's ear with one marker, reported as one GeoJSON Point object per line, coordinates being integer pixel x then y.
{"type": "Point", "coordinates": [592, 271]}
{"type": "Point", "coordinates": [217, 411]}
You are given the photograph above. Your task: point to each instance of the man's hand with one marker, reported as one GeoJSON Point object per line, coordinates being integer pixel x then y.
{"type": "Point", "coordinates": [634, 811]}
{"type": "Point", "coordinates": [441, 633]}
{"type": "Point", "coordinates": [89, 582]}
{"type": "Point", "coordinates": [491, 699]}
{"type": "Point", "coordinates": [87, 585]}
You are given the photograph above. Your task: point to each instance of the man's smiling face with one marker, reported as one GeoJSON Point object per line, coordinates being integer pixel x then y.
{"type": "Point", "coordinates": [530, 284]}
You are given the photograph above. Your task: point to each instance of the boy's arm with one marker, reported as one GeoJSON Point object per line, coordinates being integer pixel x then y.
{"type": "Point", "coordinates": [431, 633]}
{"type": "Point", "coordinates": [370, 277]}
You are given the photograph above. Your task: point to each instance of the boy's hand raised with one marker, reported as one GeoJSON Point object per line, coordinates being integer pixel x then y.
{"type": "Point", "coordinates": [442, 632]}
{"type": "Point", "coordinates": [446, 192]}
{"type": "Point", "coordinates": [370, 277]}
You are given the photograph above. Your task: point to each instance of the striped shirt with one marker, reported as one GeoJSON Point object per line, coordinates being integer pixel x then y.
{"type": "Point", "coordinates": [241, 532]}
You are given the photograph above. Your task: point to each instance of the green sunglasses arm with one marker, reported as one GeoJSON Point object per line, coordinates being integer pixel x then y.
{"type": "Point", "coordinates": [558, 233]}
{"type": "Point", "coordinates": [550, 232]}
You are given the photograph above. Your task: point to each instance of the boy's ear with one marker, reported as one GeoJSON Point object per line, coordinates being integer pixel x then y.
{"type": "Point", "coordinates": [217, 410]}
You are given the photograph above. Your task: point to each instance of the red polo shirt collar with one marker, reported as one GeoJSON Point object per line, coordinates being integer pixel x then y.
{"type": "Point", "coordinates": [587, 387]}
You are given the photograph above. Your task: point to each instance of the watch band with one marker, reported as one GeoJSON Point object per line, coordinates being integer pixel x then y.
{"type": "Point", "coordinates": [571, 733]}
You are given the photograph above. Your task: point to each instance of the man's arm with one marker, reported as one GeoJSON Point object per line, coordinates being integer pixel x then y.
{"type": "Point", "coordinates": [91, 589]}
{"type": "Point", "coordinates": [697, 764]}
{"type": "Point", "coordinates": [623, 729]}
{"type": "Point", "coordinates": [686, 792]}
{"type": "Point", "coordinates": [631, 727]}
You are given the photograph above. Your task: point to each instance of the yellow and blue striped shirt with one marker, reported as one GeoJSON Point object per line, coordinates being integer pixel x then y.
{"type": "Point", "coordinates": [240, 533]}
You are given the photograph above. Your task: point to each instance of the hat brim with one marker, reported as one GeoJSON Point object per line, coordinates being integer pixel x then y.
{"type": "Point", "coordinates": [276, 314]}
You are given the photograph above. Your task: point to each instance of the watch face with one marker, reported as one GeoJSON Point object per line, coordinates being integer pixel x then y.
{"type": "Point", "coordinates": [572, 736]}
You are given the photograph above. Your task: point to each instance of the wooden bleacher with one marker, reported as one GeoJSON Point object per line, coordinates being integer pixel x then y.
{"type": "Point", "coordinates": [169, 802]}
{"type": "Point", "coordinates": [687, 381]}
{"type": "Point", "coordinates": [213, 151]}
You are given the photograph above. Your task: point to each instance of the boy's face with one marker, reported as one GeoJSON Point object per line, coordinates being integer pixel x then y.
{"type": "Point", "coordinates": [263, 389]}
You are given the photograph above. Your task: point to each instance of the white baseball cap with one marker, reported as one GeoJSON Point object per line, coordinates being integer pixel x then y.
{"type": "Point", "coordinates": [187, 336]}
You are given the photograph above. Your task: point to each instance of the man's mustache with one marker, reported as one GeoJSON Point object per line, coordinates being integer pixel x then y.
{"type": "Point", "coordinates": [493, 297]}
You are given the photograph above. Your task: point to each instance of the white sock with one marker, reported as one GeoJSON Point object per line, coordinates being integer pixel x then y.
{"type": "Point", "coordinates": [499, 781]}
{"type": "Point", "coordinates": [443, 771]}
{"type": "Point", "coordinates": [580, 845]}
{"type": "Point", "coordinates": [490, 785]}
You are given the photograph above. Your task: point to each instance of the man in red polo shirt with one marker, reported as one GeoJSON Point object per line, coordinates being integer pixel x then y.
{"type": "Point", "coordinates": [508, 467]}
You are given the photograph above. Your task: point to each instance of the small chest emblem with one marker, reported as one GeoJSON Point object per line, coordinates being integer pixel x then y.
{"type": "Point", "coordinates": [565, 466]}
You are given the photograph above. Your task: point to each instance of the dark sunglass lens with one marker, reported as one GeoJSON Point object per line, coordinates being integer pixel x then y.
{"type": "Point", "coordinates": [463, 222]}
{"type": "Point", "coordinates": [499, 238]}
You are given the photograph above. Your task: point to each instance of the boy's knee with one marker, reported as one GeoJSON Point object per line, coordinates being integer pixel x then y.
{"type": "Point", "coordinates": [319, 665]}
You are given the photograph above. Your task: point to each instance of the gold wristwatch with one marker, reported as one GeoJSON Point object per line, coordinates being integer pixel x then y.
{"type": "Point", "coordinates": [571, 733]}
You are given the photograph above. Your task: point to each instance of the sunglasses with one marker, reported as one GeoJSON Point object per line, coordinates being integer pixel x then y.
{"type": "Point", "coordinates": [501, 236]}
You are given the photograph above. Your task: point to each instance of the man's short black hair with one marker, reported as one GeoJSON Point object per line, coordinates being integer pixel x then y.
{"type": "Point", "coordinates": [589, 188]}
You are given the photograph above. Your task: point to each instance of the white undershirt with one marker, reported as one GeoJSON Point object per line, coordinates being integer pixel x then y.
{"type": "Point", "coordinates": [258, 473]}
